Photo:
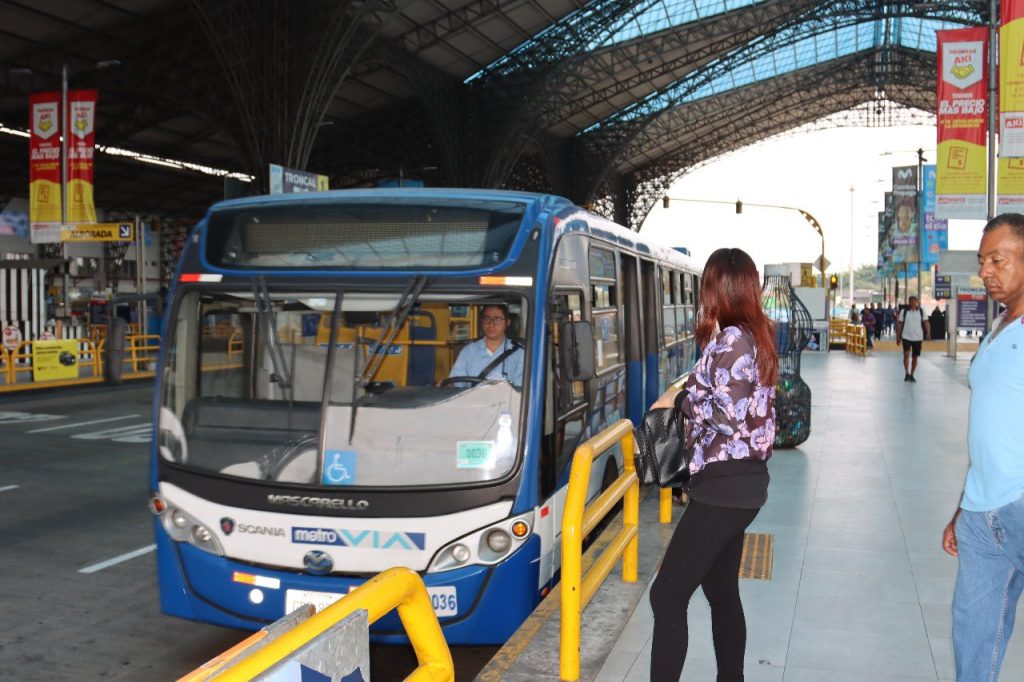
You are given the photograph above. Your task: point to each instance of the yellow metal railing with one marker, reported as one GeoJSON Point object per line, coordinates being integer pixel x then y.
{"type": "Point", "coordinates": [400, 588]}
{"type": "Point", "coordinates": [143, 349]}
{"type": "Point", "coordinates": [8, 371]}
{"type": "Point", "coordinates": [578, 520]}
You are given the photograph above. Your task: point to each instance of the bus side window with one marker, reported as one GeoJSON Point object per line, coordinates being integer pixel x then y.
{"type": "Point", "coordinates": [564, 401]}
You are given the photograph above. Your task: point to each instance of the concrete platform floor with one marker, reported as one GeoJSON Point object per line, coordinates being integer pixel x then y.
{"type": "Point", "coordinates": [861, 588]}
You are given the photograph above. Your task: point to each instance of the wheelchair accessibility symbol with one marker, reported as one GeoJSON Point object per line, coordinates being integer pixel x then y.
{"type": "Point", "coordinates": [339, 467]}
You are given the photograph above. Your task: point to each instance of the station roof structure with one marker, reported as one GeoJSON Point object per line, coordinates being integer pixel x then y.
{"type": "Point", "coordinates": [603, 101]}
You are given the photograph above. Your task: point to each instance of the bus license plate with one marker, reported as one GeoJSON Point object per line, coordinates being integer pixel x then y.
{"type": "Point", "coordinates": [444, 600]}
{"type": "Point", "coordinates": [293, 599]}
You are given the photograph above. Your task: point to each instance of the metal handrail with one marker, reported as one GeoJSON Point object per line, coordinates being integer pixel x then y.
{"type": "Point", "coordinates": [398, 587]}
{"type": "Point", "coordinates": [580, 519]}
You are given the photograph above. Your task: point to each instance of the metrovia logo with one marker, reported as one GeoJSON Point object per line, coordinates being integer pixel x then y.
{"type": "Point", "coordinates": [362, 539]}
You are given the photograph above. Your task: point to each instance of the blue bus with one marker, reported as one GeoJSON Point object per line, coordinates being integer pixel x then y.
{"type": "Point", "coordinates": [307, 439]}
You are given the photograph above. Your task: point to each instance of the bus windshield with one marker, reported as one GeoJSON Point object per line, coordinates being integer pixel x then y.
{"type": "Point", "coordinates": [254, 388]}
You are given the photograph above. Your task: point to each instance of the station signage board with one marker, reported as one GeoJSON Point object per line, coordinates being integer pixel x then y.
{"type": "Point", "coordinates": [97, 232]}
{"type": "Point", "coordinates": [288, 180]}
{"type": "Point", "coordinates": [943, 286]}
{"type": "Point", "coordinates": [971, 308]}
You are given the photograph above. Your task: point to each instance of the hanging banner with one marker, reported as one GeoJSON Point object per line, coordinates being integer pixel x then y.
{"type": "Point", "coordinates": [905, 221]}
{"type": "Point", "coordinates": [887, 233]}
{"type": "Point", "coordinates": [883, 250]}
{"type": "Point", "coordinates": [961, 180]}
{"type": "Point", "coordinates": [81, 147]}
{"type": "Point", "coordinates": [44, 158]}
{"type": "Point", "coordinates": [1011, 79]}
{"type": "Point", "coordinates": [934, 232]}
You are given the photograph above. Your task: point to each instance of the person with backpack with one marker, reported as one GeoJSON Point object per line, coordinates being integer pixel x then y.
{"type": "Point", "coordinates": [911, 331]}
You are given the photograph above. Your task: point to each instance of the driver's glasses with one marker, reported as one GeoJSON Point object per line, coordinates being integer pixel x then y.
{"type": "Point", "coordinates": [492, 320]}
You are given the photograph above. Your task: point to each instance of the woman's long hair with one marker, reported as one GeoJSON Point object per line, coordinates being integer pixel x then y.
{"type": "Point", "coordinates": [730, 296]}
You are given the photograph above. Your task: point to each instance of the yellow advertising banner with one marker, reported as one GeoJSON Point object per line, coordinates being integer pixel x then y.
{"type": "Point", "coordinates": [1011, 186]}
{"type": "Point", "coordinates": [961, 178]}
{"type": "Point", "coordinates": [1011, 108]}
{"type": "Point", "coordinates": [1011, 79]}
{"type": "Point", "coordinates": [54, 360]}
{"type": "Point", "coordinates": [97, 232]}
{"type": "Point", "coordinates": [44, 158]}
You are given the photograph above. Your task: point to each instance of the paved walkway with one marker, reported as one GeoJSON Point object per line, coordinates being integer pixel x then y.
{"type": "Point", "coordinates": [861, 588]}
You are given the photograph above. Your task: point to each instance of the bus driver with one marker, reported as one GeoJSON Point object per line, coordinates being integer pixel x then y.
{"type": "Point", "coordinates": [495, 356]}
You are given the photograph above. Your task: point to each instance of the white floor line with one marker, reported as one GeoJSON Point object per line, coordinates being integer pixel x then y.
{"type": "Point", "coordinates": [94, 421]}
{"type": "Point", "coordinates": [118, 559]}
{"type": "Point", "coordinates": [5, 488]}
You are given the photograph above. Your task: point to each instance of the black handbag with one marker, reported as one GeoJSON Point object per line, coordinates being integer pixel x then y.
{"type": "Point", "coordinates": [660, 456]}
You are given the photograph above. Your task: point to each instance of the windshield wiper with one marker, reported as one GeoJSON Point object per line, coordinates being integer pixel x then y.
{"type": "Point", "coordinates": [265, 315]}
{"type": "Point", "coordinates": [398, 317]}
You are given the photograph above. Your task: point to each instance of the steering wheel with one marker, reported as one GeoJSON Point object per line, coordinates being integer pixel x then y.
{"type": "Point", "coordinates": [472, 381]}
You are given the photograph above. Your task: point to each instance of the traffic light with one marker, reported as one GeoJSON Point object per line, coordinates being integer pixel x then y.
{"type": "Point", "coordinates": [739, 207]}
{"type": "Point", "coordinates": [833, 281]}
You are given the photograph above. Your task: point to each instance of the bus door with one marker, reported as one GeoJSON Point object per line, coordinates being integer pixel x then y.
{"type": "Point", "coordinates": [565, 413]}
{"type": "Point", "coordinates": [652, 330]}
{"type": "Point", "coordinates": [633, 341]}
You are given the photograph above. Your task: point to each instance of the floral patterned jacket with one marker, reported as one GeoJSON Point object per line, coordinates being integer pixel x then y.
{"type": "Point", "coordinates": [731, 413]}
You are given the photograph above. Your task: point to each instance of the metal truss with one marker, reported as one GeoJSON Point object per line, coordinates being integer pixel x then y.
{"type": "Point", "coordinates": [283, 61]}
{"type": "Point", "coordinates": [716, 125]}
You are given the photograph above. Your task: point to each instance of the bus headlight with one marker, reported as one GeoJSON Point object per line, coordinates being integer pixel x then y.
{"type": "Point", "coordinates": [486, 546]}
{"type": "Point", "coordinates": [498, 541]}
{"type": "Point", "coordinates": [183, 527]}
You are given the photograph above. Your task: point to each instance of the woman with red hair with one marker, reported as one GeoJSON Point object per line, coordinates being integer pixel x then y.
{"type": "Point", "coordinates": [730, 411]}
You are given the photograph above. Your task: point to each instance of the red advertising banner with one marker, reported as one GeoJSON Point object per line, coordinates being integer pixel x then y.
{"type": "Point", "coordinates": [961, 170]}
{"type": "Point", "coordinates": [81, 146]}
{"type": "Point", "coordinates": [44, 158]}
{"type": "Point", "coordinates": [1011, 107]}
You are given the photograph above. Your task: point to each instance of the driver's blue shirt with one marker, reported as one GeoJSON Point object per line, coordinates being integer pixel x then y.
{"type": "Point", "coordinates": [475, 357]}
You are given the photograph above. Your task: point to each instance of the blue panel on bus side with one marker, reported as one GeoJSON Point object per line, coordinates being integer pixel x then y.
{"type": "Point", "coordinates": [635, 390]}
{"type": "Point", "coordinates": [651, 385]}
{"type": "Point", "coordinates": [210, 594]}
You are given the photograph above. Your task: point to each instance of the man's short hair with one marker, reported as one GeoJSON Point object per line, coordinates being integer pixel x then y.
{"type": "Point", "coordinates": [500, 306]}
{"type": "Point", "coordinates": [1014, 221]}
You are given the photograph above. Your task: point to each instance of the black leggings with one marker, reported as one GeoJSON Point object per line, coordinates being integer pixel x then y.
{"type": "Point", "coordinates": [705, 550]}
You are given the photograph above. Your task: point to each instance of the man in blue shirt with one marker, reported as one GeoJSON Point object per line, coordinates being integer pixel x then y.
{"type": "Point", "coordinates": [987, 531]}
{"type": "Point", "coordinates": [475, 357]}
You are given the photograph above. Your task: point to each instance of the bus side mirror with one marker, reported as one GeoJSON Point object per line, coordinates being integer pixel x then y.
{"type": "Point", "coordinates": [576, 339]}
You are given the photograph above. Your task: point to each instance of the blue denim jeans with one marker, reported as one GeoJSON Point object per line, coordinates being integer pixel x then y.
{"type": "Point", "coordinates": [988, 585]}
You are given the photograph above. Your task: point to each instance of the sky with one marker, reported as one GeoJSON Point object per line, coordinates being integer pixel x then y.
{"type": "Point", "coordinates": [813, 170]}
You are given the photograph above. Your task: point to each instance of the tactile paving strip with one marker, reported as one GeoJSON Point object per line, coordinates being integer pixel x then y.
{"type": "Point", "coordinates": [758, 551]}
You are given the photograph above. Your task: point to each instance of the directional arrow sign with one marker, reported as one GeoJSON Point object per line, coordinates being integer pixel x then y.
{"type": "Point", "coordinates": [97, 232]}
{"type": "Point", "coordinates": [818, 265]}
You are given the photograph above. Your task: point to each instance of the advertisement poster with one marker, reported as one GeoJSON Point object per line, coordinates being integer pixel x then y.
{"type": "Point", "coordinates": [961, 179]}
{"type": "Point", "coordinates": [1011, 79]}
{"type": "Point", "coordinates": [971, 308]}
{"type": "Point", "coordinates": [934, 232]}
{"type": "Point", "coordinates": [905, 222]}
{"type": "Point", "coordinates": [81, 147]}
{"type": "Point", "coordinates": [55, 360]}
{"type": "Point", "coordinates": [44, 158]}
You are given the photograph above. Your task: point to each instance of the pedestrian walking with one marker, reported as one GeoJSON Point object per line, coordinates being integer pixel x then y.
{"type": "Point", "coordinates": [730, 410]}
{"type": "Point", "coordinates": [867, 318]}
{"type": "Point", "coordinates": [911, 331]}
{"type": "Point", "coordinates": [986, 533]}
